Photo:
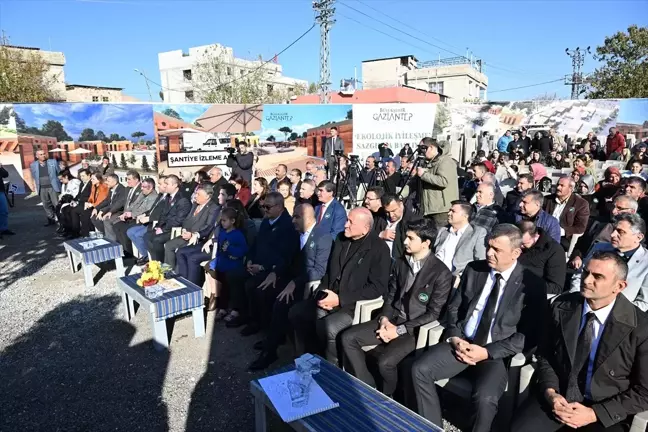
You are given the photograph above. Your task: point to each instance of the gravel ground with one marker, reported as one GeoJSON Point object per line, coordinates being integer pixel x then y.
{"type": "Point", "coordinates": [69, 362]}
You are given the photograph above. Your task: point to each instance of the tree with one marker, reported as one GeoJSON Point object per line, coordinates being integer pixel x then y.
{"type": "Point", "coordinates": [155, 162]}
{"type": "Point", "coordinates": [25, 76]}
{"type": "Point", "coordinates": [100, 136]}
{"type": "Point", "coordinates": [122, 161]}
{"type": "Point", "coordinates": [305, 135]}
{"type": "Point", "coordinates": [87, 135]}
{"type": "Point", "coordinates": [114, 137]}
{"type": "Point", "coordinates": [145, 165]}
{"type": "Point", "coordinates": [5, 115]}
{"type": "Point", "coordinates": [624, 70]}
{"type": "Point", "coordinates": [286, 130]}
{"type": "Point", "coordinates": [55, 129]}
{"type": "Point", "coordinates": [20, 123]}
{"type": "Point", "coordinates": [137, 135]}
{"type": "Point", "coordinates": [121, 138]}
{"type": "Point", "coordinates": [294, 136]}
{"type": "Point", "coordinates": [271, 138]}
{"type": "Point", "coordinates": [132, 160]}
{"type": "Point", "coordinates": [216, 81]}
{"type": "Point", "coordinates": [349, 115]}
{"type": "Point", "coordinates": [312, 88]}
{"type": "Point", "coordinates": [114, 161]}
{"type": "Point", "coordinates": [172, 113]}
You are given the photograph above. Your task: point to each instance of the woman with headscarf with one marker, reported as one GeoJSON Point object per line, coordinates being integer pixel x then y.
{"type": "Point", "coordinates": [606, 189]}
{"type": "Point", "coordinates": [585, 188]}
{"type": "Point", "coordinates": [539, 173]}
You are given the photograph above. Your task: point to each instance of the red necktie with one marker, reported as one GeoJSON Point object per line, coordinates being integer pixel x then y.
{"type": "Point", "coordinates": [321, 215]}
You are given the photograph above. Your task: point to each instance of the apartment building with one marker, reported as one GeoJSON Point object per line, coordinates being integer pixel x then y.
{"type": "Point", "coordinates": [86, 93]}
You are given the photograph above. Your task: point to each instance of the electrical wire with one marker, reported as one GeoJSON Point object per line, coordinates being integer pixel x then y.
{"type": "Point", "coordinates": [526, 86]}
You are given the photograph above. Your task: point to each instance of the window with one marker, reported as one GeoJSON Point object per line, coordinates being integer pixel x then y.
{"type": "Point", "coordinates": [482, 93]}
{"type": "Point", "coordinates": [95, 98]}
{"type": "Point", "coordinates": [270, 88]}
{"type": "Point", "coordinates": [242, 72]}
{"type": "Point", "coordinates": [187, 74]}
{"type": "Point", "coordinates": [189, 96]}
{"type": "Point", "coordinates": [229, 71]}
{"type": "Point", "coordinates": [290, 89]}
{"type": "Point", "coordinates": [105, 99]}
{"type": "Point", "coordinates": [436, 87]}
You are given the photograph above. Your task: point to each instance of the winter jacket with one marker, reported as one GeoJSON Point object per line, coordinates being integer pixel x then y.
{"type": "Point", "coordinates": [502, 144]}
{"type": "Point", "coordinates": [439, 184]}
{"type": "Point", "coordinates": [615, 144]}
{"type": "Point", "coordinates": [546, 259]}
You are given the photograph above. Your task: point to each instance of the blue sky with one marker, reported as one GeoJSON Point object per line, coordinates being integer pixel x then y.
{"type": "Point", "coordinates": [299, 118]}
{"type": "Point", "coordinates": [110, 118]}
{"type": "Point", "coordinates": [521, 42]}
{"type": "Point", "coordinates": [633, 111]}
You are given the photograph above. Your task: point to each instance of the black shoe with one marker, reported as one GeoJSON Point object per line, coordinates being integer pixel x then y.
{"type": "Point", "coordinates": [264, 360]}
{"type": "Point", "coordinates": [142, 261]}
{"type": "Point", "coordinates": [50, 222]}
{"type": "Point", "coordinates": [60, 229]}
{"type": "Point", "coordinates": [259, 346]}
{"type": "Point", "coordinates": [7, 232]}
{"type": "Point", "coordinates": [236, 322]}
{"type": "Point", "coordinates": [250, 329]}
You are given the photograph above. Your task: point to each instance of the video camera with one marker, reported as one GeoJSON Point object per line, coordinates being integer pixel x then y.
{"type": "Point", "coordinates": [231, 150]}
{"type": "Point", "coordinates": [338, 153]}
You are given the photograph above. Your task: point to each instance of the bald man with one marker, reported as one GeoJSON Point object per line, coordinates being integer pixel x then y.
{"type": "Point", "coordinates": [308, 265]}
{"type": "Point", "coordinates": [358, 270]}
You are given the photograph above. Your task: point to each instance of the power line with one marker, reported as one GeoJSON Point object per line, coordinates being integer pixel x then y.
{"type": "Point", "coordinates": [526, 86]}
{"type": "Point", "coordinates": [242, 76]}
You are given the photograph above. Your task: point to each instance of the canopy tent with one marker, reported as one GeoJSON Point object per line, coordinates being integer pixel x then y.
{"type": "Point", "coordinates": [80, 151]}
{"type": "Point", "coordinates": [233, 118]}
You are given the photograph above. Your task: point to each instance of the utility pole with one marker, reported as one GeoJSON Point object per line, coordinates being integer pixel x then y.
{"type": "Point", "coordinates": [576, 80]}
{"type": "Point", "coordinates": [324, 12]}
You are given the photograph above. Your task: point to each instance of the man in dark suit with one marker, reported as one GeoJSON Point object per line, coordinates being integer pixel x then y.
{"type": "Point", "coordinates": [133, 192]}
{"type": "Point", "coordinates": [202, 216]}
{"type": "Point", "coordinates": [307, 193]}
{"type": "Point", "coordinates": [543, 256]}
{"type": "Point", "coordinates": [486, 212]}
{"type": "Point", "coordinates": [272, 252]}
{"type": "Point", "coordinates": [295, 182]}
{"type": "Point", "coordinates": [79, 200]}
{"type": "Point", "coordinates": [140, 206]}
{"type": "Point", "coordinates": [489, 319]}
{"type": "Point", "coordinates": [331, 145]}
{"type": "Point", "coordinates": [330, 214]}
{"type": "Point", "coordinates": [358, 270]}
{"type": "Point", "coordinates": [513, 198]}
{"type": "Point", "coordinates": [112, 206]}
{"type": "Point", "coordinates": [593, 363]}
{"type": "Point", "coordinates": [281, 174]}
{"type": "Point", "coordinates": [418, 292]}
{"type": "Point", "coordinates": [393, 227]}
{"type": "Point", "coordinates": [392, 179]}
{"type": "Point", "coordinates": [308, 265]}
{"type": "Point", "coordinates": [176, 210]}
{"type": "Point", "coordinates": [571, 210]}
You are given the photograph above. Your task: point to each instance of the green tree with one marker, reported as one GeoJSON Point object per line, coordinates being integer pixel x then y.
{"type": "Point", "coordinates": [100, 136]}
{"type": "Point", "coordinates": [145, 164]}
{"type": "Point", "coordinates": [132, 160]}
{"type": "Point", "coordinates": [137, 135]}
{"type": "Point", "coordinates": [441, 120]}
{"type": "Point", "coordinates": [271, 138]}
{"type": "Point", "coordinates": [294, 136]}
{"type": "Point", "coordinates": [55, 129]}
{"type": "Point", "coordinates": [349, 115]}
{"type": "Point", "coordinates": [114, 161]}
{"type": "Point", "coordinates": [624, 69]}
{"type": "Point", "coordinates": [171, 113]}
{"type": "Point", "coordinates": [87, 134]}
{"type": "Point", "coordinates": [155, 162]}
{"type": "Point", "coordinates": [25, 77]}
{"type": "Point", "coordinates": [286, 130]}
{"type": "Point", "coordinates": [312, 88]}
{"type": "Point", "coordinates": [114, 137]}
{"type": "Point", "coordinates": [122, 161]}
{"type": "Point", "coordinates": [5, 115]}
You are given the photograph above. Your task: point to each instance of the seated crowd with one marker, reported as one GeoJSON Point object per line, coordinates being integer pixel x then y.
{"type": "Point", "coordinates": [285, 259]}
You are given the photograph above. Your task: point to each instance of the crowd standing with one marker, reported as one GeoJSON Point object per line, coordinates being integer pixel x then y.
{"type": "Point", "coordinates": [291, 258]}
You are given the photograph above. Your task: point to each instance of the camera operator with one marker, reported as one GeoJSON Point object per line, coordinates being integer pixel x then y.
{"type": "Point", "coordinates": [437, 178]}
{"type": "Point", "coordinates": [241, 162]}
{"type": "Point", "coordinates": [393, 178]}
{"type": "Point", "coordinates": [369, 175]}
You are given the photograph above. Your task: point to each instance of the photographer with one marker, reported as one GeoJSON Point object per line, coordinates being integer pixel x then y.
{"type": "Point", "coordinates": [241, 162]}
{"type": "Point", "coordinates": [369, 174]}
{"type": "Point", "coordinates": [438, 183]}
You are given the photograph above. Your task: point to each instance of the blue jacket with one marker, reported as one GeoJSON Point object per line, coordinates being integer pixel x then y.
{"type": "Point", "coordinates": [310, 263]}
{"type": "Point", "coordinates": [275, 245]}
{"type": "Point", "coordinates": [232, 247]}
{"type": "Point", "coordinates": [502, 144]}
{"type": "Point", "coordinates": [53, 171]}
{"type": "Point", "coordinates": [334, 219]}
{"type": "Point", "coordinates": [547, 222]}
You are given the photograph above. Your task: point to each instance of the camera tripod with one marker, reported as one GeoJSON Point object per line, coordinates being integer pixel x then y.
{"type": "Point", "coordinates": [418, 161]}
{"type": "Point", "coordinates": [350, 181]}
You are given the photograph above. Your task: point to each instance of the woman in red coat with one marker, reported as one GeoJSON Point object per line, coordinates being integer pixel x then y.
{"type": "Point", "coordinates": [242, 190]}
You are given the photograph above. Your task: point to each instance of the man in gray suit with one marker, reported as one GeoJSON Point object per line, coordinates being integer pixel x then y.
{"type": "Point", "coordinates": [202, 215]}
{"type": "Point", "coordinates": [629, 232]}
{"type": "Point", "coordinates": [46, 184]}
{"type": "Point", "coordinates": [460, 243]}
{"type": "Point", "coordinates": [333, 143]}
{"type": "Point", "coordinates": [140, 206]}
{"type": "Point", "coordinates": [133, 192]}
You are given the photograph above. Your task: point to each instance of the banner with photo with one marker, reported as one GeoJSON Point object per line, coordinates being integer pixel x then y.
{"type": "Point", "coordinates": [392, 124]}
{"type": "Point", "coordinates": [197, 135]}
{"type": "Point", "coordinates": [294, 134]}
{"type": "Point", "coordinates": [73, 132]}
{"type": "Point", "coordinates": [9, 152]}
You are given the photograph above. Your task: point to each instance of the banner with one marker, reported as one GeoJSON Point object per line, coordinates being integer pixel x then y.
{"type": "Point", "coordinates": [393, 124]}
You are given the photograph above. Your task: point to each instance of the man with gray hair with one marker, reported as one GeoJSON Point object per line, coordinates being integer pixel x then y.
{"type": "Point", "coordinates": [492, 316]}
{"type": "Point", "coordinates": [46, 184]}
{"type": "Point", "coordinates": [216, 178]}
{"type": "Point", "coordinates": [486, 213]}
{"type": "Point", "coordinates": [571, 210]}
{"type": "Point", "coordinates": [629, 232]}
{"type": "Point", "coordinates": [489, 177]}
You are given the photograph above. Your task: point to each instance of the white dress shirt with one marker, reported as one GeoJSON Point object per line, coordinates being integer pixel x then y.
{"type": "Point", "coordinates": [391, 226]}
{"type": "Point", "coordinates": [303, 238]}
{"type": "Point", "coordinates": [471, 326]}
{"type": "Point", "coordinates": [599, 324]}
{"type": "Point", "coordinates": [447, 250]}
{"type": "Point", "coordinates": [560, 207]}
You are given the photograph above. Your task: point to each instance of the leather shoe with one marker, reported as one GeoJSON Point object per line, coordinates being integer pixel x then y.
{"type": "Point", "coordinates": [236, 322]}
{"type": "Point", "coordinates": [7, 232]}
{"type": "Point", "coordinates": [264, 360]}
{"type": "Point", "coordinates": [141, 261]}
{"type": "Point", "coordinates": [259, 346]}
{"type": "Point", "coordinates": [50, 222]}
{"type": "Point", "coordinates": [250, 329]}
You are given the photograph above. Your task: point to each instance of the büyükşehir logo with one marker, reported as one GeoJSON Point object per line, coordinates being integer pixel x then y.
{"type": "Point", "coordinates": [393, 115]}
{"type": "Point", "coordinates": [279, 117]}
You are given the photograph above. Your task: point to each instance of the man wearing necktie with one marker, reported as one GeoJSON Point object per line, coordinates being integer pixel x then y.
{"type": "Point", "coordinates": [332, 144]}
{"type": "Point", "coordinates": [626, 241]}
{"type": "Point", "coordinates": [492, 316]}
{"type": "Point", "coordinates": [592, 369]}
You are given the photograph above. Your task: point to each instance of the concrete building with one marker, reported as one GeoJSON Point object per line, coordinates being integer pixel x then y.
{"type": "Point", "coordinates": [86, 93]}
{"type": "Point", "coordinates": [54, 59]}
{"type": "Point", "coordinates": [457, 78]}
{"type": "Point", "coordinates": [403, 94]}
{"type": "Point", "coordinates": [178, 73]}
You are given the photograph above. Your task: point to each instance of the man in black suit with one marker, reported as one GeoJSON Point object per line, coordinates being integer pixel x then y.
{"type": "Point", "coordinates": [392, 179]}
{"type": "Point", "coordinates": [393, 227]}
{"type": "Point", "coordinates": [307, 193]}
{"type": "Point", "coordinates": [513, 198]}
{"type": "Point", "coordinates": [308, 265]}
{"type": "Point", "coordinates": [112, 206]}
{"type": "Point", "coordinates": [295, 177]}
{"type": "Point", "coordinates": [133, 192]}
{"type": "Point", "coordinates": [358, 270]}
{"type": "Point", "coordinates": [78, 201]}
{"type": "Point", "coordinates": [331, 145]}
{"type": "Point", "coordinates": [272, 251]}
{"type": "Point", "coordinates": [176, 210]}
{"type": "Point", "coordinates": [489, 320]}
{"type": "Point", "coordinates": [593, 363]}
{"type": "Point", "coordinates": [418, 291]}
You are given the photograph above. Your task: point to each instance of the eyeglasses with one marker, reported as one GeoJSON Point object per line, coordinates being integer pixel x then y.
{"type": "Point", "coordinates": [616, 207]}
{"type": "Point", "coordinates": [268, 206]}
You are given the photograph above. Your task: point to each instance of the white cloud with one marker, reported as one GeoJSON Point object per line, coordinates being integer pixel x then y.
{"type": "Point", "coordinates": [298, 129]}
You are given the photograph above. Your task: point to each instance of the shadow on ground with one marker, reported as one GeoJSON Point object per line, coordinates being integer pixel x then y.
{"type": "Point", "coordinates": [75, 371]}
